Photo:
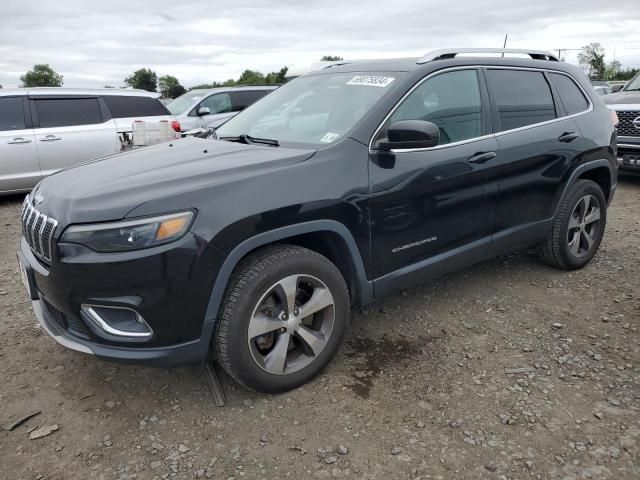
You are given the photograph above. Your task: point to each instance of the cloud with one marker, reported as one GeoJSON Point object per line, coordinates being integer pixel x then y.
{"type": "Point", "coordinates": [96, 44]}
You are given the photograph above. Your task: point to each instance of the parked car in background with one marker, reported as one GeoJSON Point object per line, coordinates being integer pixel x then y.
{"type": "Point", "coordinates": [335, 190]}
{"type": "Point", "coordinates": [601, 88]}
{"type": "Point", "coordinates": [626, 104]}
{"type": "Point", "coordinates": [45, 129]}
{"type": "Point", "coordinates": [212, 107]}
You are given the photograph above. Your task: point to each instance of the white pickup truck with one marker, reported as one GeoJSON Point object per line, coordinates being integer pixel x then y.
{"type": "Point", "coordinates": [43, 130]}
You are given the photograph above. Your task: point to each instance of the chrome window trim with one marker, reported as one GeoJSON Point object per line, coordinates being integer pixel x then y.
{"type": "Point", "coordinates": [483, 137]}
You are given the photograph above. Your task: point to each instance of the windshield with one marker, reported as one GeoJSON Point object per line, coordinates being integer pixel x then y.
{"type": "Point", "coordinates": [311, 110]}
{"type": "Point", "coordinates": [634, 84]}
{"type": "Point", "coordinates": [184, 102]}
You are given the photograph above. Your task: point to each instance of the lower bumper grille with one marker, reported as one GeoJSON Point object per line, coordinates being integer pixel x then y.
{"type": "Point", "coordinates": [63, 321]}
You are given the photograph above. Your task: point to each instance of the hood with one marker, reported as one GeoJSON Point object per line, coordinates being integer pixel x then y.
{"type": "Point", "coordinates": [622, 98]}
{"type": "Point", "coordinates": [109, 188]}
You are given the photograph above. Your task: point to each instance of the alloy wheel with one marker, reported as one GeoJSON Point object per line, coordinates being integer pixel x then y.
{"type": "Point", "coordinates": [584, 225]}
{"type": "Point", "coordinates": [291, 324]}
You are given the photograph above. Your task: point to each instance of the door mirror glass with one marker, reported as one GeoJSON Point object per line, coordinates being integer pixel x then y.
{"type": "Point", "coordinates": [411, 134]}
{"type": "Point", "coordinates": [204, 111]}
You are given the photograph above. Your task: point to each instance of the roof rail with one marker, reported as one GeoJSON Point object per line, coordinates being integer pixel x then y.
{"type": "Point", "coordinates": [447, 53]}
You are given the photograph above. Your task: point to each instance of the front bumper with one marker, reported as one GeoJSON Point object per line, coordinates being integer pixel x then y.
{"type": "Point", "coordinates": [168, 286]}
{"type": "Point", "coordinates": [629, 154]}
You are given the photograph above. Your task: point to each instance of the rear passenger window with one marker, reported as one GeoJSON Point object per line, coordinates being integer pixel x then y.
{"type": "Point", "coordinates": [570, 94]}
{"type": "Point", "coordinates": [242, 99]}
{"type": "Point", "coordinates": [450, 100]}
{"type": "Point", "coordinates": [124, 106]}
{"type": "Point", "coordinates": [523, 98]}
{"type": "Point", "coordinates": [66, 112]}
{"type": "Point", "coordinates": [11, 113]}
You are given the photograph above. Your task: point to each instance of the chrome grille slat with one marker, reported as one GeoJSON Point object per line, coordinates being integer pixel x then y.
{"type": "Point", "coordinates": [38, 230]}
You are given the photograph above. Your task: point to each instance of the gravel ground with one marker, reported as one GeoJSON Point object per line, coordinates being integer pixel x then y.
{"type": "Point", "coordinates": [505, 370]}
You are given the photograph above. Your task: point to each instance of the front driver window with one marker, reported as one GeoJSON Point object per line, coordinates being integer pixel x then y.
{"type": "Point", "coordinates": [218, 103]}
{"type": "Point", "coordinates": [450, 100]}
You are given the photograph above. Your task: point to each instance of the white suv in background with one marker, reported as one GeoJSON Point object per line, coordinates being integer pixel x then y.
{"type": "Point", "coordinates": [43, 130]}
{"type": "Point", "coordinates": [212, 107]}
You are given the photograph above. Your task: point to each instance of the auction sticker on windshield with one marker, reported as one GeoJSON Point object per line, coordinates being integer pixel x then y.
{"type": "Point", "coordinates": [371, 80]}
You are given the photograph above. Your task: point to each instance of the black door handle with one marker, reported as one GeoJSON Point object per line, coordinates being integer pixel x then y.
{"type": "Point", "coordinates": [568, 137]}
{"type": "Point", "coordinates": [482, 157]}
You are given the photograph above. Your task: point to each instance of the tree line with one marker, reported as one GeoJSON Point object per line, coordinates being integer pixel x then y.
{"type": "Point", "coordinates": [591, 59]}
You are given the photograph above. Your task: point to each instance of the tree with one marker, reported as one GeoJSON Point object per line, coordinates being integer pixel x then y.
{"type": "Point", "coordinates": [276, 78]}
{"type": "Point", "coordinates": [612, 70]}
{"type": "Point", "coordinates": [250, 77]}
{"type": "Point", "coordinates": [592, 58]}
{"type": "Point", "coordinates": [331, 58]}
{"type": "Point", "coordinates": [42, 75]}
{"type": "Point", "coordinates": [170, 87]}
{"type": "Point", "coordinates": [144, 79]}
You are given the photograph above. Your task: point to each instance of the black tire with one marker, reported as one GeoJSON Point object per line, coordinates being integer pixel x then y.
{"type": "Point", "coordinates": [557, 250]}
{"type": "Point", "coordinates": [255, 278]}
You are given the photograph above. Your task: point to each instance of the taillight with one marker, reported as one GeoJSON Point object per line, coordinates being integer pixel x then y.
{"type": "Point", "coordinates": [614, 118]}
{"type": "Point", "coordinates": [175, 124]}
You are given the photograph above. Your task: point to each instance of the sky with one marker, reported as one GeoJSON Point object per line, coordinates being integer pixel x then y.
{"type": "Point", "coordinates": [94, 44]}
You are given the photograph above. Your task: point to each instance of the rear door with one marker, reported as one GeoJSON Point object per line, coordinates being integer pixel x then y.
{"type": "Point", "coordinates": [19, 167]}
{"type": "Point", "coordinates": [70, 130]}
{"type": "Point", "coordinates": [538, 144]}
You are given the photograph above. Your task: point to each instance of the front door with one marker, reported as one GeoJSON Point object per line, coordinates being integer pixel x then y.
{"type": "Point", "coordinates": [432, 209]}
{"type": "Point", "coordinates": [19, 167]}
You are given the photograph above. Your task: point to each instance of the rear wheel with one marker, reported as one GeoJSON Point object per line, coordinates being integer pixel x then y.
{"type": "Point", "coordinates": [283, 319]}
{"type": "Point", "coordinates": [578, 228]}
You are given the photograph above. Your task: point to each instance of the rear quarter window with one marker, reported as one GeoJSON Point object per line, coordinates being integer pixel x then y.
{"type": "Point", "coordinates": [522, 97]}
{"type": "Point", "coordinates": [571, 96]}
{"type": "Point", "coordinates": [124, 106]}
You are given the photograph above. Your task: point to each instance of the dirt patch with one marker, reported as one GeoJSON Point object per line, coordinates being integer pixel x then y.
{"type": "Point", "coordinates": [371, 356]}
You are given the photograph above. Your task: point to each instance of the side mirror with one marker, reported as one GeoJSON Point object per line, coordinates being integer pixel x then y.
{"type": "Point", "coordinates": [411, 134]}
{"type": "Point", "coordinates": [617, 87]}
{"type": "Point", "coordinates": [203, 111]}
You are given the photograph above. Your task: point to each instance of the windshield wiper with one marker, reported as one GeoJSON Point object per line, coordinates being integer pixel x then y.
{"type": "Point", "coordinates": [248, 139]}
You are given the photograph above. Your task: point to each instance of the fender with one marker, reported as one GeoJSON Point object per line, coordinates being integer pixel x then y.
{"type": "Point", "coordinates": [250, 244]}
{"type": "Point", "coordinates": [579, 170]}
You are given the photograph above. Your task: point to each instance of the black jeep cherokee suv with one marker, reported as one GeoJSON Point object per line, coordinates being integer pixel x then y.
{"type": "Point", "coordinates": [334, 190]}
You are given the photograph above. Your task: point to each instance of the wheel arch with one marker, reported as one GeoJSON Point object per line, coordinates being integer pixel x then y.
{"type": "Point", "coordinates": [327, 237]}
{"type": "Point", "coordinates": [597, 170]}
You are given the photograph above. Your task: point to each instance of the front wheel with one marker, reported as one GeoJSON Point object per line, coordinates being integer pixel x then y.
{"type": "Point", "coordinates": [283, 319]}
{"type": "Point", "coordinates": [578, 228]}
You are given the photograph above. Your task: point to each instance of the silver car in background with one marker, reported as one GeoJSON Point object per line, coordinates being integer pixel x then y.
{"type": "Point", "coordinates": [212, 107]}
{"type": "Point", "coordinates": [43, 130]}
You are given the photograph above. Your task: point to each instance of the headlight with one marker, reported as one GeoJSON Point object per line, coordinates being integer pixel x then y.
{"type": "Point", "coordinates": [129, 234]}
